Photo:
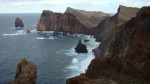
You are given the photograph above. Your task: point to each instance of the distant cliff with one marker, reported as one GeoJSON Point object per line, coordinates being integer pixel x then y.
{"type": "Point", "coordinates": [88, 18]}
{"type": "Point", "coordinates": [126, 59]}
{"type": "Point", "coordinates": [106, 26]}
{"type": "Point", "coordinates": [66, 22]}
{"type": "Point", "coordinates": [72, 21]}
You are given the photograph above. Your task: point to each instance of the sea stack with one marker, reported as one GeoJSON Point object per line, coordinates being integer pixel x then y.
{"type": "Point", "coordinates": [26, 73]}
{"type": "Point", "coordinates": [81, 48]}
{"type": "Point", "coordinates": [19, 22]}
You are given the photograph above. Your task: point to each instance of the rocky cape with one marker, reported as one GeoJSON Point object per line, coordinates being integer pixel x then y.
{"type": "Point", "coordinates": [26, 73]}
{"type": "Point", "coordinates": [72, 21]}
{"type": "Point", "coordinates": [125, 60]}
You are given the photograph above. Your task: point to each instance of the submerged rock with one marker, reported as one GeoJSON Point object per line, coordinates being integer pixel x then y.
{"type": "Point", "coordinates": [19, 22]}
{"type": "Point", "coordinates": [26, 73]}
{"type": "Point", "coordinates": [28, 31]}
{"type": "Point", "coordinates": [86, 40]}
{"type": "Point", "coordinates": [81, 48]}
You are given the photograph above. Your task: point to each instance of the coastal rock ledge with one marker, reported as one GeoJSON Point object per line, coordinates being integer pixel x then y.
{"type": "Point", "coordinates": [26, 73]}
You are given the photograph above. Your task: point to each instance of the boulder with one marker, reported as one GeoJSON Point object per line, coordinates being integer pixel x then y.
{"type": "Point", "coordinates": [81, 48]}
{"type": "Point", "coordinates": [86, 40]}
{"type": "Point", "coordinates": [26, 73]}
{"type": "Point", "coordinates": [64, 33]}
{"type": "Point", "coordinates": [28, 31]}
{"type": "Point", "coordinates": [19, 22]}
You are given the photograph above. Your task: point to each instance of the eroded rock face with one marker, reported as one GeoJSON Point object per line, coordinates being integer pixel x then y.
{"type": "Point", "coordinates": [19, 22]}
{"type": "Point", "coordinates": [88, 18]}
{"type": "Point", "coordinates": [128, 51]}
{"type": "Point", "coordinates": [131, 43]}
{"type": "Point", "coordinates": [81, 48]}
{"type": "Point", "coordinates": [62, 22]}
{"type": "Point", "coordinates": [26, 73]}
{"type": "Point", "coordinates": [106, 26]}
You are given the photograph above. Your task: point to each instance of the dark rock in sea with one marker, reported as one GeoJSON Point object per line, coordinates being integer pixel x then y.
{"type": "Point", "coordinates": [64, 33]}
{"type": "Point", "coordinates": [19, 22]}
{"type": "Point", "coordinates": [26, 73]}
{"type": "Point", "coordinates": [86, 40]}
{"type": "Point", "coordinates": [55, 33]}
{"type": "Point", "coordinates": [28, 31]}
{"type": "Point", "coordinates": [81, 48]}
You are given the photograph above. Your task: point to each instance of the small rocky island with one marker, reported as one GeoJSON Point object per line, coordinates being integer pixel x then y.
{"type": "Point", "coordinates": [81, 48]}
{"type": "Point", "coordinates": [19, 22]}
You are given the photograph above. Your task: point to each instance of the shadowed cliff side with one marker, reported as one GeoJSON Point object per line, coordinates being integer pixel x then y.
{"type": "Point", "coordinates": [26, 73]}
{"type": "Point", "coordinates": [106, 26]}
{"type": "Point", "coordinates": [127, 58]}
{"type": "Point", "coordinates": [63, 22]}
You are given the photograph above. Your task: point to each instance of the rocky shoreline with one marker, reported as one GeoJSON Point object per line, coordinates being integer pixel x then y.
{"type": "Point", "coordinates": [123, 56]}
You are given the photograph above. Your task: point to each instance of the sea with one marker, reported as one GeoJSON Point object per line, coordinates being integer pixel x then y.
{"type": "Point", "coordinates": [55, 57]}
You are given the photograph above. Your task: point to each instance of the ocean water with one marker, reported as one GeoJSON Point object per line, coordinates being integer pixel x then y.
{"type": "Point", "coordinates": [55, 57]}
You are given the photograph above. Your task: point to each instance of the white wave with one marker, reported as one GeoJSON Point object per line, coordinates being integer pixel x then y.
{"type": "Point", "coordinates": [45, 38]}
{"type": "Point", "coordinates": [19, 32]}
{"type": "Point", "coordinates": [33, 31]}
{"type": "Point", "coordinates": [80, 61]}
{"type": "Point", "coordinates": [74, 60]}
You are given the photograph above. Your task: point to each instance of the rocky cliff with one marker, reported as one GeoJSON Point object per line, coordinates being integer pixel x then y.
{"type": "Point", "coordinates": [66, 22]}
{"type": "Point", "coordinates": [106, 26]}
{"type": "Point", "coordinates": [88, 18]}
{"type": "Point", "coordinates": [72, 21]}
{"type": "Point", "coordinates": [26, 73]}
{"type": "Point", "coordinates": [126, 59]}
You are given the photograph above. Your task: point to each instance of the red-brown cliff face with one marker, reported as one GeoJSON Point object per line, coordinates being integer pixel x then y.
{"type": "Point", "coordinates": [66, 22]}
{"type": "Point", "coordinates": [127, 52]}
{"type": "Point", "coordinates": [26, 73]}
{"type": "Point", "coordinates": [106, 26]}
{"type": "Point", "coordinates": [130, 43]}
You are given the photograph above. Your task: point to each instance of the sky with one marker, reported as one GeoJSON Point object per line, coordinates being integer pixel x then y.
{"type": "Point", "coordinates": [37, 6]}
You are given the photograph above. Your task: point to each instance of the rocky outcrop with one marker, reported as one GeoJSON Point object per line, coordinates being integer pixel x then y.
{"type": "Point", "coordinates": [62, 22]}
{"type": "Point", "coordinates": [26, 73]}
{"type": "Point", "coordinates": [106, 26]}
{"type": "Point", "coordinates": [19, 22]}
{"type": "Point", "coordinates": [28, 31]}
{"type": "Point", "coordinates": [89, 19]}
{"type": "Point", "coordinates": [72, 21]}
{"type": "Point", "coordinates": [81, 48]}
{"type": "Point", "coordinates": [127, 52]}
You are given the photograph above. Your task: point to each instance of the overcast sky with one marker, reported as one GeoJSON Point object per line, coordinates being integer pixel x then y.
{"type": "Point", "coordinates": [37, 6]}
